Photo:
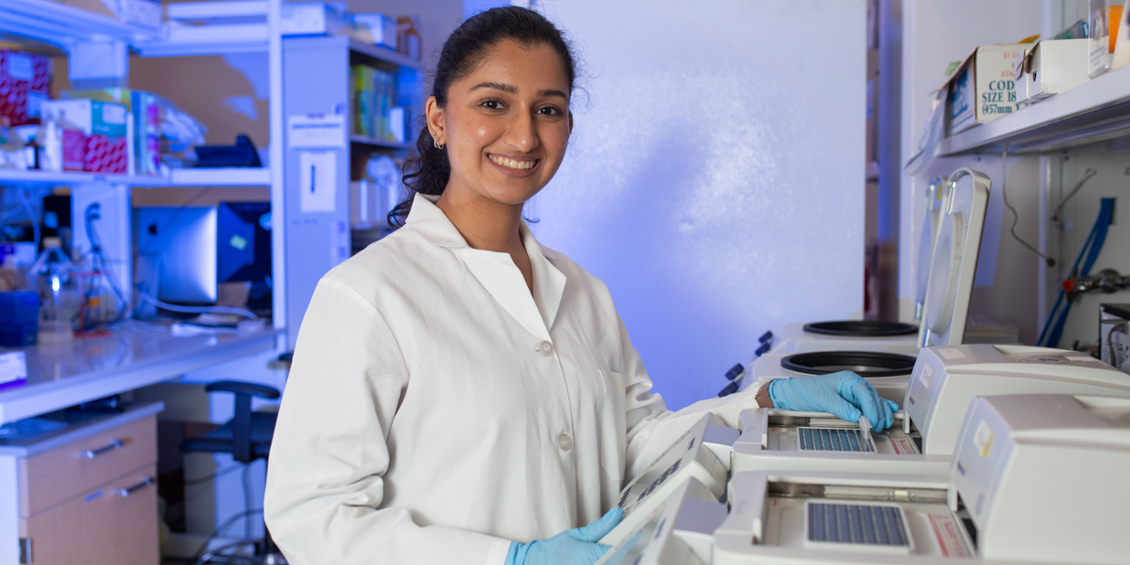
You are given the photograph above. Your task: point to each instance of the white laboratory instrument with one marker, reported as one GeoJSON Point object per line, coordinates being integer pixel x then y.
{"type": "Point", "coordinates": [678, 531]}
{"type": "Point", "coordinates": [944, 382]}
{"type": "Point", "coordinates": [874, 335]}
{"type": "Point", "coordinates": [1035, 479]}
{"type": "Point", "coordinates": [953, 263]}
{"type": "Point", "coordinates": [703, 452]}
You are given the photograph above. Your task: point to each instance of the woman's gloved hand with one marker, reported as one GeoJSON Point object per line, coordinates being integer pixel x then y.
{"type": "Point", "coordinates": [844, 394]}
{"type": "Point", "coordinates": [571, 547]}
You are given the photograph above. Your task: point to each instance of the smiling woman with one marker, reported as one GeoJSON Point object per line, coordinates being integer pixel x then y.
{"type": "Point", "coordinates": [504, 64]}
{"type": "Point", "coordinates": [459, 392]}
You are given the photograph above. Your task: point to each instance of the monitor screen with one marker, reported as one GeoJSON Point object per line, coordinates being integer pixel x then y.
{"type": "Point", "coordinates": [244, 249]}
{"type": "Point", "coordinates": [244, 241]}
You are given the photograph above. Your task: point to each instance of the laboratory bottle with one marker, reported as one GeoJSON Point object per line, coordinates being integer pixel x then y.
{"type": "Point", "coordinates": [59, 292]}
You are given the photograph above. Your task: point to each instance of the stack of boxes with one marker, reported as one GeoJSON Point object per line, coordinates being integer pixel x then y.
{"type": "Point", "coordinates": [111, 130]}
{"type": "Point", "coordinates": [144, 113]}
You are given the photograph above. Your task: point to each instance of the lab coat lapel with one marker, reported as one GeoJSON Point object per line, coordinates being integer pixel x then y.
{"type": "Point", "coordinates": [549, 283]}
{"type": "Point", "coordinates": [503, 281]}
{"type": "Point", "coordinates": [496, 272]}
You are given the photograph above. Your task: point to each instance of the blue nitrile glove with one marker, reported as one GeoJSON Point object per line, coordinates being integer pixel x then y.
{"type": "Point", "coordinates": [571, 547]}
{"type": "Point", "coordinates": [844, 394]}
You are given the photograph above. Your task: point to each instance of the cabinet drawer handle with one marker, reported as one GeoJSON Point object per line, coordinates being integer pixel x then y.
{"type": "Point", "coordinates": [130, 490]}
{"type": "Point", "coordinates": [92, 453]}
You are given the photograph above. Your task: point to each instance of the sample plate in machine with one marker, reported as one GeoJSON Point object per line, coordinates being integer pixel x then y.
{"type": "Point", "coordinates": [834, 439]}
{"type": "Point", "coordinates": [856, 526]}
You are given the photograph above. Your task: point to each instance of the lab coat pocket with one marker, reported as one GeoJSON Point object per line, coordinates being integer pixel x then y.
{"type": "Point", "coordinates": [613, 435]}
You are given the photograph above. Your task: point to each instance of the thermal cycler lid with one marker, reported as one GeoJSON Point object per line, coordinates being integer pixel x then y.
{"type": "Point", "coordinates": [695, 454]}
{"type": "Point", "coordinates": [678, 531]}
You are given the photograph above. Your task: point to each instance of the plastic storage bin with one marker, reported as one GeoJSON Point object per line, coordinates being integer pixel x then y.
{"type": "Point", "coordinates": [19, 318]}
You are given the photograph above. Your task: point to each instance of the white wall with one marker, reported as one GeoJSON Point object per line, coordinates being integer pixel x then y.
{"type": "Point", "coordinates": [717, 182]}
{"type": "Point", "coordinates": [472, 7]}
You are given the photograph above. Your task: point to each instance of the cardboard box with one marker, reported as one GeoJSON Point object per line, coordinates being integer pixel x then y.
{"type": "Point", "coordinates": [375, 29]}
{"type": "Point", "coordinates": [1051, 67]}
{"type": "Point", "coordinates": [145, 13]}
{"type": "Point", "coordinates": [1021, 77]}
{"type": "Point", "coordinates": [24, 82]}
{"type": "Point", "coordinates": [104, 144]}
{"type": "Point", "coordinates": [983, 88]}
{"type": "Point", "coordinates": [314, 18]}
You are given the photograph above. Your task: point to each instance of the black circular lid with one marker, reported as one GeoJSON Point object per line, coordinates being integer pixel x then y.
{"type": "Point", "coordinates": [863, 363]}
{"type": "Point", "coordinates": [861, 328]}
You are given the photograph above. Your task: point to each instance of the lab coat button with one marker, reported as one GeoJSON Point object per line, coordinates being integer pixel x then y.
{"type": "Point", "coordinates": [564, 442]}
{"type": "Point", "coordinates": [546, 348]}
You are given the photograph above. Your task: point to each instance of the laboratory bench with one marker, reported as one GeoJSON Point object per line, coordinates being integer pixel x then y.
{"type": "Point", "coordinates": [137, 355]}
{"type": "Point", "coordinates": [78, 486]}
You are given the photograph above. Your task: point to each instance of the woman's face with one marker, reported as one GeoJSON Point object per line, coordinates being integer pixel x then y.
{"type": "Point", "coordinates": [506, 125]}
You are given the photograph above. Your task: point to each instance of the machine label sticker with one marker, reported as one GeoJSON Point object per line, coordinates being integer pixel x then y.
{"type": "Point", "coordinates": [951, 353]}
{"type": "Point", "coordinates": [901, 445]}
{"type": "Point", "coordinates": [983, 438]}
{"type": "Point", "coordinates": [948, 536]}
{"type": "Point", "coordinates": [926, 375]}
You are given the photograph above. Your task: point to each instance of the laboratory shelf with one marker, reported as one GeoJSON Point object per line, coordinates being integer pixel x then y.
{"type": "Point", "coordinates": [384, 54]}
{"type": "Point", "coordinates": [235, 176]}
{"type": "Point", "coordinates": [225, 176]}
{"type": "Point", "coordinates": [372, 141]}
{"type": "Point", "coordinates": [1096, 111]}
{"type": "Point", "coordinates": [35, 177]}
{"type": "Point", "coordinates": [59, 24]}
{"type": "Point", "coordinates": [139, 355]}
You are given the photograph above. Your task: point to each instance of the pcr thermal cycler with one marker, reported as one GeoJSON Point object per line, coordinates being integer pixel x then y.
{"type": "Point", "coordinates": [923, 439]}
{"type": "Point", "coordinates": [1035, 479]}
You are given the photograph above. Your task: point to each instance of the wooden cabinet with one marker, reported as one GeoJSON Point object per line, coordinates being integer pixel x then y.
{"type": "Point", "coordinates": [94, 499]}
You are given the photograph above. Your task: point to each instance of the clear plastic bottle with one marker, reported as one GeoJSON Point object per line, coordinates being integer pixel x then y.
{"type": "Point", "coordinates": [59, 292]}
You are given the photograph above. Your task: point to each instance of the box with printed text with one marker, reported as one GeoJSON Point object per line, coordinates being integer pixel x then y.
{"type": "Point", "coordinates": [983, 88]}
{"type": "Point", "coordinates": [95, 134]}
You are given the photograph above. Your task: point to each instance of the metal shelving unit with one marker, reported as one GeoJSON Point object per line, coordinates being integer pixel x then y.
{"type": "Point", "coordinates": [178, 177]}
{"type": "Point", "coordinates": [374, 142]}
{"type": "Point", "coordinates": [88, 368]}
{"type": "Point", "coordinates": [63, 25]}
{"type": "Point", "coordinates": [384, 55]}
{"type": "Point", "coordinates": [1093, 112]}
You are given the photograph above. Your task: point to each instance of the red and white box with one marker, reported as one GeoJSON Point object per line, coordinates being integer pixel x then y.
{"type": "Point", "coordinates": [25, 79]}
{"type": "Point", "coordinates": [104, 146]}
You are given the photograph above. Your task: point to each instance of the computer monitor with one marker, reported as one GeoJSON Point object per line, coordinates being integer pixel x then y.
{"type": "Point", "coordinates": [177, 253]}
{"type": "Point", "coordinates": [244, 248]}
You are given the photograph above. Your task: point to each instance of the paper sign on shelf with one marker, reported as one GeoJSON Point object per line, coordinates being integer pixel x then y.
{"type": "Point", "coordinates": [315, 130]}
{"type": "Point", "coordinates": [317, 175]}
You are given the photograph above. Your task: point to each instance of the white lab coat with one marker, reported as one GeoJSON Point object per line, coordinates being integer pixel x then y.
{"type": "Point", "coordinates": [435, 411]}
